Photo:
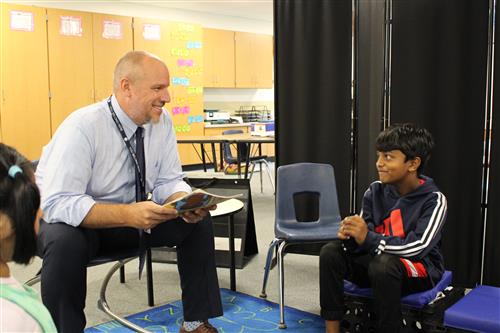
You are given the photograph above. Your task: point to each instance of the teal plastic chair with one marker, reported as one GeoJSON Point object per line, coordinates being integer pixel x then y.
{"type": "Point", "coordinates": [292, 180]}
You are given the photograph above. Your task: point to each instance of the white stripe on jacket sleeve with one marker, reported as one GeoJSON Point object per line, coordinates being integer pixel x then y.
{"type": "Point", "coordinates": [435, 222]}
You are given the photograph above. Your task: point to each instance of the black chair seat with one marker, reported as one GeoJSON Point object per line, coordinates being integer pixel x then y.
{"type": "Point", "coordinates": [120, 258]}
{"type": "Point", "coordinates": [111, 257]}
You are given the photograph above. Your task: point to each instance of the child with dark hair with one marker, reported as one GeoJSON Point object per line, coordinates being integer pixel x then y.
{"type": "Point", "coordinates": [21, 309]}
{"type": "Point", "coordinates": [393, 246]}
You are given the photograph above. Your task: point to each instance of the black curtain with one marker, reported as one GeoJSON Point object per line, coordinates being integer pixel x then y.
{"type": "Point", "coordinates": [312, 85]}
{"type": "Point", "coordinates": [370, 91]}
{"type": "Point", "coordinates": [439, 57]}
{"type": "Point", "coordinates": [492, 246]}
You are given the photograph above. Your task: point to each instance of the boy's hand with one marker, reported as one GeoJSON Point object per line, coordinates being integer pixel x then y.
{"type": "Point", "coordinates": [340, 234]}
{"type": "Point", "coordinates": [355, 227]}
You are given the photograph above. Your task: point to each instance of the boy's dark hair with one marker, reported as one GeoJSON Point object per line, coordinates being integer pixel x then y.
{"type": "Point", "coordinates": [410, 140]}
{"type": "Point", "coordinates": [19, 201]}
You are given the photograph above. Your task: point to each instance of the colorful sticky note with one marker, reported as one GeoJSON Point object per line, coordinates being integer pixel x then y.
{"type": "Point", "coordinates": [195, 90]}
{"type": "Point", "coordinates": [195, 119]}
{"type": "Point", "coordinates": [193, 45]}
{"type": "Point", "coordinates": [179, 52]}
{"type": "Point", "coordinates": [185, 62]}
{"type": "Point", "coordinates": [180, 81]}
{"type": "Point", "coordinates": [182, 128]}
{"type": "Point", "coordinates": [190, 71]}
{"type": "Point", "coordinates": [179, 35]}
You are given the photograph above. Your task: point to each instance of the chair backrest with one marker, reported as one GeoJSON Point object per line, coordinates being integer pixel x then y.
{"type": "Point", "coordinates": [242, 147]}
{"type": "Point", "coordinates": [298, 178]}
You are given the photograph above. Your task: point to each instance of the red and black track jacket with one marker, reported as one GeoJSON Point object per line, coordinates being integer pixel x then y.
{"type": "Point", "coordinates": [408, 226]}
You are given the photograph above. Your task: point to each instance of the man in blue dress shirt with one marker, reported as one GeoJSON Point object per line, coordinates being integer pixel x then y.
{"type": "Point", "coordinates": [87, 177]}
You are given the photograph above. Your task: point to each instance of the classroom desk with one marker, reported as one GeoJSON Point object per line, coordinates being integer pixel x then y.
{"type": "Point", "coordinates": [230, 138]}
{"type": "Point", "coordinates": [202, 140]}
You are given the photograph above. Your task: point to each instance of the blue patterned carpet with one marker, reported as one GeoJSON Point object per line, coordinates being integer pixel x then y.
{"type": "Point", "coordinates": [242, 314]}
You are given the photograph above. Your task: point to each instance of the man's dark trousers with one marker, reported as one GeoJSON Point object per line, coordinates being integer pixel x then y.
{"type": "Point", "coordinates": [67, 250]}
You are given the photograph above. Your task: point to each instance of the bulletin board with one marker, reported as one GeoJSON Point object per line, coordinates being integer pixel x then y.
{"type": "Point", "coordinates": [180, 46]}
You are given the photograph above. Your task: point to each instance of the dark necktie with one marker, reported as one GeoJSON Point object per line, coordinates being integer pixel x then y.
{"type": "Point", "coordinates": [140, 192]}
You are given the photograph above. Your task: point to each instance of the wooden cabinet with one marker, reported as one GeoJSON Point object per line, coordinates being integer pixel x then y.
{"type": "Point", "coordinates": [55, 61]}
{"type": "Point", "coordinates": [24, 111]}
{"type": "Point", "coordinates": [112, 39]}
{"type": "Point", "coordinates": [218, 58]}
{"type": "Point", "coordinates": [71, 67]}
{"type": "Point", "coordinates": [237, 59]}
{"type": "Point", "coordinates": [254, 60]}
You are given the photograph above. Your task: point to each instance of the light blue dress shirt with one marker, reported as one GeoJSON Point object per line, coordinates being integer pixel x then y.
{"type": "Point", "coordinates": [87, 162]}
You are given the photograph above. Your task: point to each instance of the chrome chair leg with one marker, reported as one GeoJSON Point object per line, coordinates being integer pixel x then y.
{"type": "Point", "coordinates": [267, 268]}
{"type": "Point", "coordinates": [251, 164]}
{"type": "Point", "coordinates": [281, 268]}
{"type": "Point", "coordinates": [268, 169]}
{"type": "Point", "coordinates": [102, 304]}
{"type": "Point", "coordinates": [260, 171]}
{"type": "Point", "coordinates": [269, 174]}
{"type": "Point", "coordinates": [34, 280]}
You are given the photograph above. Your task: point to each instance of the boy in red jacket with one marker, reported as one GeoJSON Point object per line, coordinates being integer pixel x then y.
{"type": "Point", "coordinates": [393, 246]}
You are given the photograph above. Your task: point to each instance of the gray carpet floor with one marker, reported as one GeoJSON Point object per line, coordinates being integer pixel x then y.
{"type": "Point", "coordinates": [301, 273]}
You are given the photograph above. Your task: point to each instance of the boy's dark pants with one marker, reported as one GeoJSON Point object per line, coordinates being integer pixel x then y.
{"type": "Point", "coordinates": [384, 273]}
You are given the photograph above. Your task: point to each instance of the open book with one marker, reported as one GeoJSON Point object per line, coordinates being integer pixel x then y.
{"type": "Point", "coordinates": [198, 199]}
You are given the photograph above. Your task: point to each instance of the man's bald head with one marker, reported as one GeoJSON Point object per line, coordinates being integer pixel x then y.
{"type": "Point", "coordinates": [130, 66]}
{"type": "Point", "coordinates": [141, 86]}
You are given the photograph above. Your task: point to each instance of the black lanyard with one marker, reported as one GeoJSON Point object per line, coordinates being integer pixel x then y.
{"type": "Point", "coordinates": [127, 143]}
